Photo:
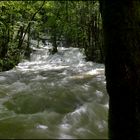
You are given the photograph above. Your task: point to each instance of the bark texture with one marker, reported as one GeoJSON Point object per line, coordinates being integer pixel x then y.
{"type": "Point", "coordinates": [121, 23]}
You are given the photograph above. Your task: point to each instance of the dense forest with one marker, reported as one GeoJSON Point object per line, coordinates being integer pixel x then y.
{"type": "Point", "coordinates": [67, 23]}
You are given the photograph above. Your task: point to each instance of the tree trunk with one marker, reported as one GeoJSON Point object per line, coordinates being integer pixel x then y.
{"type": "Point", "coordinates": [121, 23]}
{"type": "Point", "coordinates": [28, 49]}
{"type": "Point", "coordinates": [54, 43]}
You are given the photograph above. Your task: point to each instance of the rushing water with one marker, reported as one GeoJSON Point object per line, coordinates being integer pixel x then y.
{"type": "Point", "coordinates": [54, 96]}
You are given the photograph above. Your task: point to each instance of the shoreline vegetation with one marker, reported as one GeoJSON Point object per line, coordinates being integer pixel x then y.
{"type": "Point", "coordinates": [71, 23]}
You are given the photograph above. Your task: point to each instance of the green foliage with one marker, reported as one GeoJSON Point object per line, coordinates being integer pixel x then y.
{"type": "Point", "coordinates": [15, 25]}
{"type": "Point", "coordinates": [77, 24]}
{"type": "Point", "coordinates": [74, 23]}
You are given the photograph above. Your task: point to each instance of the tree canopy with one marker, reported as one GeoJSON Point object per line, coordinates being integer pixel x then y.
{"type": "Point", "coordinates": [67, 23]}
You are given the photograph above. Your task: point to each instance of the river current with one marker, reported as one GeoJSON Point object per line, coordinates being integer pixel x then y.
{"type": "Point", "coordinates": [58, 96]}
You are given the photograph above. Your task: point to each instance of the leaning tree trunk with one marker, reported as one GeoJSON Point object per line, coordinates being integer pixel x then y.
{"type": "Point", "coordinates": [121, 23]}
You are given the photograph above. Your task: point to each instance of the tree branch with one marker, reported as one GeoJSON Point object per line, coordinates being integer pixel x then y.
{"type": "Point", "coordinates": [30, 23]}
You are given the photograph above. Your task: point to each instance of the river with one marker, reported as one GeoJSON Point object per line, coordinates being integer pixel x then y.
{"type": "Point", "coordinates": [58, 96]}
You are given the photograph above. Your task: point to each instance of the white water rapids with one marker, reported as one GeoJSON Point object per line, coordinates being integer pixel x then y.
{"type": "Point", "coordinates": [58, 96]}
